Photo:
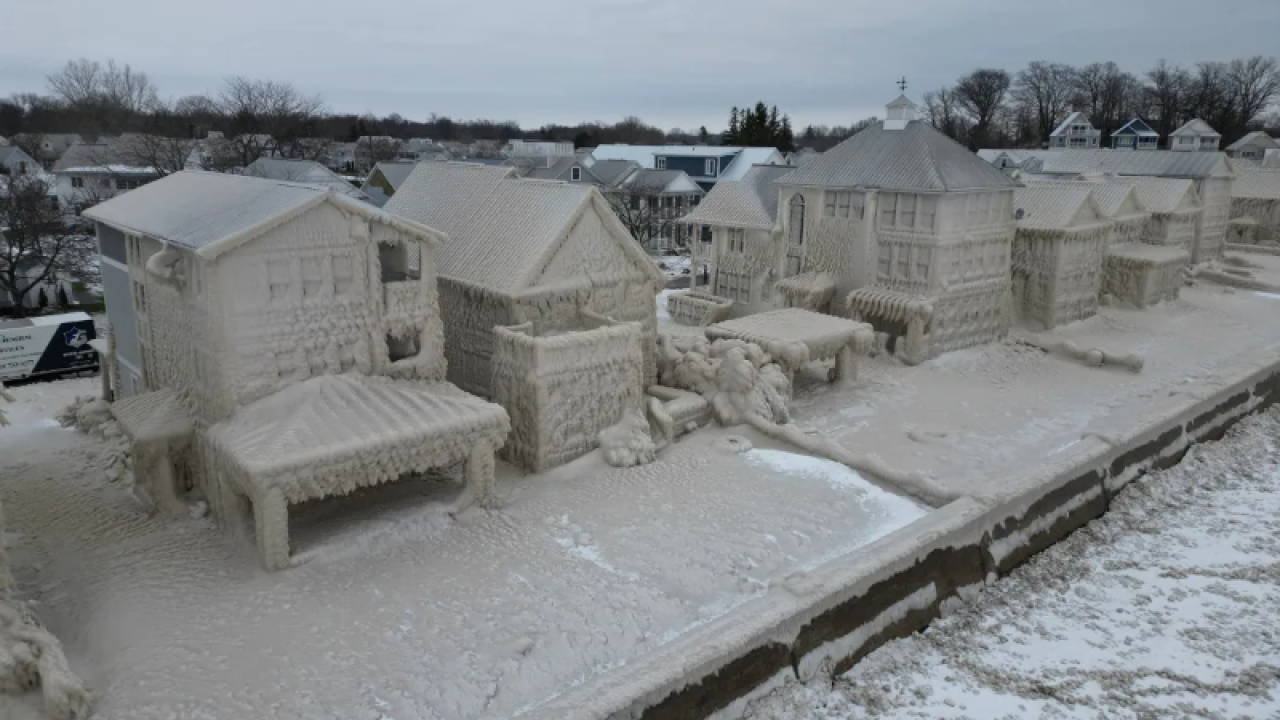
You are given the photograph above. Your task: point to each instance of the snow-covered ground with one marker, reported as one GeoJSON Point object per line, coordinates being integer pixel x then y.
{"type": "Point", "coordinates": [393, 610]}
{"type": "Point", "coordinates": [1168, 606]}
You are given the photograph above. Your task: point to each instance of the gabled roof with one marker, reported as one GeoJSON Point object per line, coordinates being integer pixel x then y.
{"type": "Point", "coordinates": [1072, 119]}
{"type": "Point", "coordinates": [668, 181]}
{"type": "Point", "coordinates": [1113, 198]}
{"type": "Point", "coordinates": [395, 172]}
{"type": "Point", "coordinates": [750, 203]}
{"type": "Point", "coordinates": [1256, 183]}
{"type": "Point", "coordinates": [1159, 195]}
{"type": "Point", "coordinates": [1196, 127]}
{"type": "Point", "coordinates": [100, 156]}
{"type": "Point", "coordinates": [917, 157]}
{"type": "Point", "coordinates": [302, 171]}
{"type": "Point", "coordinates": [646, 156]}
{"type": "Point", "coordinates": [502, 229]}
{"type": "Point", "coordinates": [1136, 127]}
{"type": "Point", "coordinates": [8, 151]}
{"type": "Point", "coordinates": [1154, 163]}
{"type": "Point", "coordinates": [611, 172]}
{"type": "Point", "coordinates": [212, 213]}
{"type": "Point", "coordinates": [902, 101]}
{"type": "Point", "coordinates": [1257, 137]}
{"type": "Point", "coordinates": [1055, 207]}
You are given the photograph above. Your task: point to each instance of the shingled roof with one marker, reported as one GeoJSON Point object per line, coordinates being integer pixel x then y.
{"type": "Point", "coordinates": [502, 230]}
{"type": "Point", "coordinates": [917, 157]}
{"type": "Point", "coordinates": [1153, 163]}
{"type": "Point", "coordinates": [302, 171]}
{"type": "Point", "coordinates": [211, 213]}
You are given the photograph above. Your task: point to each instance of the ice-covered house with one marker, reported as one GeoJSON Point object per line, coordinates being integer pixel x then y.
{"type": "Point", "coordinates": [1075, 132]}
{"type": "Point", "coordinates": [1195, 136]}
{"type": "Point", "coordinates": [1056, 261]}
{"type": "Point", "coordinates": [1252, 146]}
{"type": "Point", "coordinates": [549, 254]}
{"type": "Point", "coordinates": [290, 348]}
{"type": "Point", "coordinates": [1210, 173]}
{"type": "Point", "coordinates": [1119, 202]}
{"type": "Point", "coordinates": [1255, 207]}
{"type": "Point", "coordinates": [739, 241]}
{"type": "Point", "coordinates": [911, 227]}
{"type": "Point", "coordinates": [303, 171]}
{"type": "Point", "coordinates": [1135, 135]}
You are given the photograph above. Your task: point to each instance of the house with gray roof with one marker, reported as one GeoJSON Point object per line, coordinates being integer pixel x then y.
{"type": "Point", "coordinates": [385, 179]}
{"type": "Point", "coordinates": [1252, 146]}
{"type": "Point", "coordinates": [1211, 173]}
{"type": "Point", "coordinates": [1058, 249]}
{"type": "Point", "coordinates": [1135, 135]}
{"type": "Point", "coordinates": [89, 173]}
{"type": "Point", "coordinates": [912, 229]}
{"type": "Point", "coordinates": [1075, 132]}
{"type": "Point", "coordinates": [705, 164]}
{"type": "Point", "coordinates": [1255, 207]}
{"type": "Point", "coordinates": [667, 195]}
{"type": "Point", "coordinates": [1195, 136]}
{"type": "Point", "coordinates": [547, 253]}
{"type": "Point", "coordinates": [15, 163]}
{"type": "Point", "coordinates": [303, 171]}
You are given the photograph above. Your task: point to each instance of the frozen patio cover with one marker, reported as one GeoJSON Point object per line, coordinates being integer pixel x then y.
{"type": "Point", "coordinates": [333, 434]}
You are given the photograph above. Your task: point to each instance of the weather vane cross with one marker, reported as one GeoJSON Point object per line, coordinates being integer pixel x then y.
{"type": "Point", "coordinates": [902, 84]}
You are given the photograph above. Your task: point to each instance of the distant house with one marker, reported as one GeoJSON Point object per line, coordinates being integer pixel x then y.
{"type": "Point", "coordinates": [1255, 207]}
{"type": "Point", "coordinates": [577, 168]}
{"type": "Point", "coordinates": [373, 149]}
{"type": "Point", "coordinates": [705, 164]}
{"type": "Point", "coordinates": [303, 171]}
{"type": "Point", "coordinates": [529, 148]}
{"type": "Point", "coordinates": [1009, 160]}
{"type": "Point", "coordinates": [671, 193]}
{"type": "Point", "coordinates": [1252, 146]}
{"type": "Point", "coordinates": [87, 174]}
{"type": "Point", "coordinates": [14, 162]}
{"type": "Point", "coordinates": [1195, 136]}
{"type": "Point", "coordinates": [385, 179]}
{"type": "Point", "coordinates": [1135, 135]}
{"type": "Point", "coordinates": [423, 149]}
{"type": "Point", "coordinates": [53, 146]}
{"type": "Point", "coordinates": [1075, 132]}
{"type": "Point", "coordinates": [520, 251]}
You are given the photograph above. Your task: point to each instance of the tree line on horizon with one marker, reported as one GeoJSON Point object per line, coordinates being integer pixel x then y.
{"type": "Point", "coordinates": [993, 108]}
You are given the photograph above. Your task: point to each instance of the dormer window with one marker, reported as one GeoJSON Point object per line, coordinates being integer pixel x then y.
{"type": "Point", "coordinates": [710, 169]}
{"type": "Point", "coordinates": [575, 173]}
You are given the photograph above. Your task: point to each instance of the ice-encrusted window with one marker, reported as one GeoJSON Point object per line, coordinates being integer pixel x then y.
{"type": "Point", "coordinates": [402, 347]}
{"type": "Point", "coordinates": [888, 209]}
{"type": "Point", "coordinates": [843, 202]}
{"type": "Point", "coordinates": [829, 203]}
{"type": "Point", "coordinates": [797, 220]}
{"type": "Point", "coordinates": [923, 256]}
{"type": "Point", "coordinates": [344, 275]}
{"type": "Point", "coordinates": [278, 275]}
{"type": "Point", "coordinates": [886, 260]}
{"type": "Point", "coordinates": [906, 211]}
{"type": "Point", "coordinates": [928, 212]}
{"type": "Point", "coordinates": [312, 277]}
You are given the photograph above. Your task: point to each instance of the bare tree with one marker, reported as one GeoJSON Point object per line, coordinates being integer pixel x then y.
{"type": "Point", "coordinates": [1209, 97]}
{"type": "Point", "coordinates": [108, 95]}
{"type": "Point", "coordinates": [1254, 83]}
{"type": "Point", "coordinates": [945, 114]}
{"type": "Point", "coordinates": [162, 153]}
{"type": "Point", "coordinates": [1046, 88]}
{"type": "Point", "coordinates": [265, 116]}
{"type": "Point", "coordinates": [981, 94]}
{"type": "Point", "coordinates": [1109, 94]}
{"type": "Point", "coordinates": [371, 150]}
{"type": "Point", "coordinates": [1167, 87]}
{"type": "Point", "coordinates": [32, 144]}
{"type": "Point", "coordinates": [639, 205]}
{"type": "Point", "coordinates": [36, 244]}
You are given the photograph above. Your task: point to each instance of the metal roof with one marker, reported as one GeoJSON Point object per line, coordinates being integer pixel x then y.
{"type": "Point", "coordinates": [212, 213]}
{"type": "Point", "coordinates": [1256, 183]}
{"type": "Point", "coordinates": [751, 202]}
{"type": "Point", "coordinates": [1154, 163]}
{"type": "Point", "coordinates": [917, 157]}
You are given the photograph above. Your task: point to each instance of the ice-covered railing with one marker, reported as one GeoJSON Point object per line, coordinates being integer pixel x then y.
{"type": "Point", "coordinates": [697, 308]}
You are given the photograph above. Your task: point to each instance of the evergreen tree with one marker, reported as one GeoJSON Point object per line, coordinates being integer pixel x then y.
{"type": "Point", "coordinates": [42, 300]}
{"type": "Point", "coordinates": [62, 296]}
{"type": "Point", "coordinates": [786, 141]}
{"type": "Point", "coordinates": [703, 136]}
{"type": "Point", "coordinates": [731, 135]}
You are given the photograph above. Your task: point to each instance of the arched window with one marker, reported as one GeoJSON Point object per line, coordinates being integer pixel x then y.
{"type": "Point", "coordinates": [796, 223]}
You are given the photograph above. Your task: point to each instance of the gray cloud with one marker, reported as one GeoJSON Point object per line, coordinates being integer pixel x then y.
{"type": "Point", "coordinates": [672, 62]}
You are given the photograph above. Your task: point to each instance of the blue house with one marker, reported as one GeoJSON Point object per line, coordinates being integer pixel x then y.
{"type": "Point", "coordinates": [1136, 135]}
{"type": "Point", "coordinates": [705, 164]}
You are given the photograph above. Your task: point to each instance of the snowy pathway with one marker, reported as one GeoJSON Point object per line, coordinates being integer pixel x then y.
{"type": "Point", "coordinates": [1166, 607]}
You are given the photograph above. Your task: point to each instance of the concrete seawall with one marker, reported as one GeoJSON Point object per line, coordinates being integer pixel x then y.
{"type": "Point", "coordinates": [824, 620]}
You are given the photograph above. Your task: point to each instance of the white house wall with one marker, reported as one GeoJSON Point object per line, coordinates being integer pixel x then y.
{"type": "Point", "coordinates": [1216, 194]}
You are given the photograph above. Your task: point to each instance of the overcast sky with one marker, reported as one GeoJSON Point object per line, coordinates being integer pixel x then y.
{"type": "Point", "coordinates": [674, 63]}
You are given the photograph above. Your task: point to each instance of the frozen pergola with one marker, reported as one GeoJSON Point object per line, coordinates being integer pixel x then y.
{"type": "Point", "coordinates": [825, 336]}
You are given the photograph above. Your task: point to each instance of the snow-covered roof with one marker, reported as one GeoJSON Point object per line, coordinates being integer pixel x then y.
{"type": "Point", "coordinates": [303, 171]}
{"type": "Point", "coordinates": [669, 181]}
{"type": "Point", "coordinates": [502, 229]}
{"type": "Point", "coordinates": [917, 157]}
{"type": "Point", "coordinates": [1256, 137]}
{"type": "Point", "coordinates": [1154, 163]}
{"type": "Point", "coordinates": [1116, 200]}
{"type": "Point", "coordinates": [1158, 195]}
{"type": "Point", "coordinates": [101, 157]}
{"type": "Point", "coordinates": [211, 213]}
{"type": "Point", "coordinates": [751, 202]}
{"type": "Point", "coordinates": [158, 415]}
{"type": "Point", "coordinates": [1072, 119]}
{"type": "Point", "coordinates": [317, 423]}
{"type": "Point", "coordinates": [1017, 156]}
{"type": "Point", "coordinates": [1136, 127]}
{"type": "Point", "coordinates": [1196, 127]}
{"type": "Point", "coordinates": [1055, 207]}
{"type": "Point", "coordinates": [1256, 183]}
